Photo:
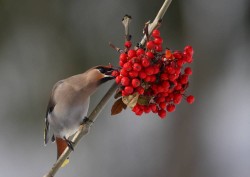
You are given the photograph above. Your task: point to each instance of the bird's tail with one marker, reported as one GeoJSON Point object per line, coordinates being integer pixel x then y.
{"type": "Point", "coordinates": [61, 146]}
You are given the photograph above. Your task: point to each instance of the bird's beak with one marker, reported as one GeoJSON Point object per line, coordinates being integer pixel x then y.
{"type": "Point", "coordinates": [106, 70]}
{"type": "Point", "coordinates": [108, 73]}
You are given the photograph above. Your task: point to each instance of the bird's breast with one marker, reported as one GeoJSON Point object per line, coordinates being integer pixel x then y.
{"type": "Point", "coordinates": [67, 116]}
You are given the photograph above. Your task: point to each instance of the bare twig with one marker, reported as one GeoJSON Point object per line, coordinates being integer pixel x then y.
{"type": "Point", "coordinates": [116, 48]}
{"type": "Point", "coordinates": [84, 129]}
{"type": "Point", "coordinates": [126, 21]}
{"type": "Point", "coordinates": [157, 19]}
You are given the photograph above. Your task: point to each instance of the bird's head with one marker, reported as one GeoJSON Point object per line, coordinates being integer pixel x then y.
{"type": "Point", "coordinates": [100, 74]}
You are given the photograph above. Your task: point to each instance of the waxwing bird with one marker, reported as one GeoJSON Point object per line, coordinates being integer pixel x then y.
{"type": "Point", "coordinates": [69, 103]}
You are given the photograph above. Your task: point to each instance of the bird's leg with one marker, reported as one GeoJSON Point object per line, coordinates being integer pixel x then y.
{"type": "Point", "coordinates": [86, 120]}
{"type": "Point", "coordinates": [69, 143]}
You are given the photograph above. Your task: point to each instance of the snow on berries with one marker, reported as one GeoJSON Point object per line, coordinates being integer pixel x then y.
{"type": "Point", "coordinates": [151, 79]}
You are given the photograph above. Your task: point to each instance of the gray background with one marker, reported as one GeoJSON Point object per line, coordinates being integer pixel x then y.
{"type": "Point", "coordinates": [42, 42]}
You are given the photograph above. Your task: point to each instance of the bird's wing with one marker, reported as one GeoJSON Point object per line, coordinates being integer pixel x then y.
{"type": "Point", "coordinates": [50, 108]}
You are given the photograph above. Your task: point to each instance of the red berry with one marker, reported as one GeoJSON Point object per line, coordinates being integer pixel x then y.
{"type": "Point", "coordinates": [160, 99]}
{"type": "Point", "coordinates": [189, 49]}
{"type": "Point", "coordinates": [147, 79]}
{"type": "Point", "coordinates": [124, 93]}
{"type": "Point", "coordinates": [139, 113]}
{"type": "Point", "coordinates": [184, 79]}
{"type": "Point", "coordinates": [177, 55]}
{"type": "Point", "coordinates": [189, 59]}
{"type": "Point", "coordinates": [177, 101]}
{"type": "Point", "coordinates": [127, 66]}
{"type": "Point", "coordinates": [136, 83]}
{"type": "Point", "coordinates": [158, 48]}
{"type": "Point", "coordinates": [133, 74]}
{"type": "Point", "coordinates": [190, 99]}
{"type": "Point", "coordinates": [166, 84]}
{"type": "Point", "coordinates": [162, 113]}
{"type": "Point", "coordinates": [168, 99]}
{"type": "Point", "coordinates": [131, 53]}
{"type": "Point", "coordinates": [177, 98]}
{"type": "Point", "coordinates": [128, 44]}
{"type": "Point", "coordinates": [177, 71]}
{"type": "Point", "coordinates": [134, 60]}
{"type": "Point", "coordinates": [137, 67]}
{"type": "Point", "coordinates": [149, 70]}
{"type": "Point", "coordinates": [164, 94]}
{"type": "Point", "coordinates": [180, 62]}
{"type": "Point", "coordinates": [136, 108]}
{"type": "Point", "coordinates": [158, 41]}
{"type": "Point", "coordinates": [160, 89]}
{"type": "Point", "coordinates": [145, 62]}
{"type": "Point", "coordinates": [188, 71]}
{"type": "Point", "coordinates": [146, 109]}
{"type": "Point", "coordinates": [123, 72]}
{"type": "Point", "coordinates": [154, 87]}
{"type": "Point", "coordinates": [156, 69]}
{"type": "Point", "coordinates": [140, 90]}
{"type": "Point", "coordinates": [150, 45]}
{"type": "Point", "coordinates": [125, 81]}
{"type": "Point", "coordinates": [156, 33]}
{"type": "Point", "coordinates": [142, 75]}
{"type": "Point", "coordinates": [139, 52]}
{"type": "Point", "coordinates": [152, 78]}
{"type": "Point", "coordinates": [123, 57]}
{"type": "Point", "coordinates": [164, 76]}
{"type": "Point", "coordinates": [171, 108]}
{"type": "Point", "coordinates": [153, 107]}
{"type": "Point", "coordinates": [163, 105]}
{"type": "Point", "coordinates": [172, 77]}
{"type": "Point", "coordinates": [178, 87]}
{"type": "Point", "coordinates": [128, 89]}
{"type": "Point", "coordinates": [118, 79]}
{"type": "Point", "coordinates": [170, 70]}
{"type": "Point", "coordinates": [121, 63]}
{"type": "Point", "coordinates": [115, 73]}
{"type": "Point", "coordinates": [150, 55]}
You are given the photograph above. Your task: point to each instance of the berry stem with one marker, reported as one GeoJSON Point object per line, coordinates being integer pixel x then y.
{"type": "Point", "coordinates": [145, 30]}
{"type": "Point", "coordinates": [116, 48]}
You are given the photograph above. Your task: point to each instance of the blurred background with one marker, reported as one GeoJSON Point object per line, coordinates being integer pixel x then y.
{"type": "Point", "coordinates": [42, 42]}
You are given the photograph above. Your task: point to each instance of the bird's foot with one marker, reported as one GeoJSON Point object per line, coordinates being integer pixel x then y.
{"type": "Point", "coordinates": [69, 143]}
{"type": "Point", "coordinates": [86, 120]}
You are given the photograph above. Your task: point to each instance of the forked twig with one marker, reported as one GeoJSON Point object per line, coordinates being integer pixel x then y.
{"type": "Point", "coordinates": [157, 19]}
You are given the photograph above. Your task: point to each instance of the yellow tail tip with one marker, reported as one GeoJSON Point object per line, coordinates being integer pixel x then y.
{"type": "Point", "coordinates": [65, 163]}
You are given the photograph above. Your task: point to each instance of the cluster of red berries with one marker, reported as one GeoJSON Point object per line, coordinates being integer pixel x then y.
{"type": "Point", "coordinates": [157, 75]}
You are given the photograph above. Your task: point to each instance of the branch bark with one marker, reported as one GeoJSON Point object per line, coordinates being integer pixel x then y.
{"type": "Point", "coordinates": [84, 129]}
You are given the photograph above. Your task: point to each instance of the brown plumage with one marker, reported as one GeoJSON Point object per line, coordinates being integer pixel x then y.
{"type": "Point", "coordinates": [69, 103]}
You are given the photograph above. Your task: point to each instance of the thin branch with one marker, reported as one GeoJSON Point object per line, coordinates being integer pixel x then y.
{"type": "Point", "coordinates": [84, 129]}
{"type": "Point", "coordinates": [157, 20]}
